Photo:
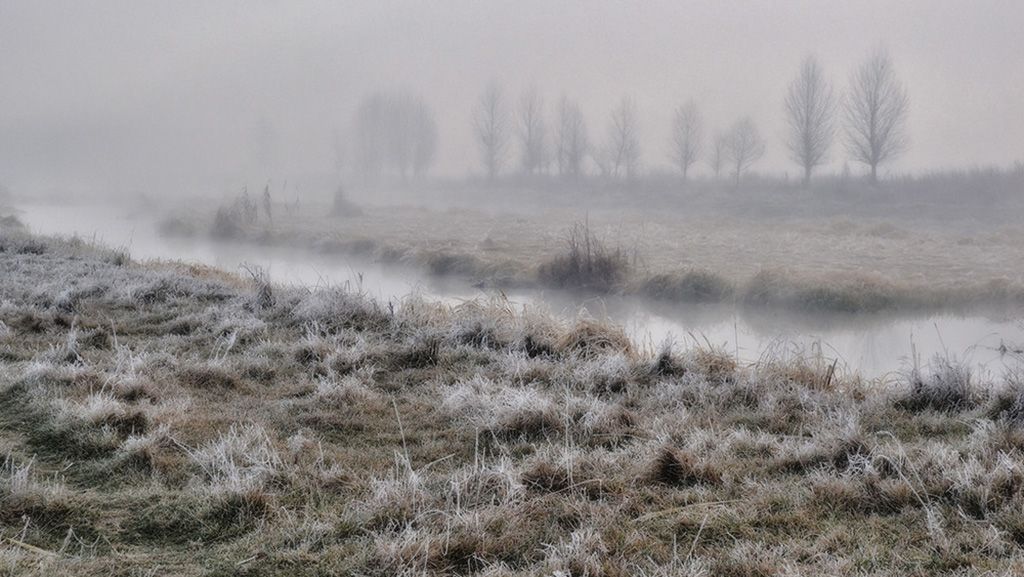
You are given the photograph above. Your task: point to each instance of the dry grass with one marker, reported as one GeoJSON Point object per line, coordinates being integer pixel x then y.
{"type": "Point", "coordinates": [230, 427]}
{"type": "Point", "coordinates": [702, 249]}
{"type": "Point", "coordinates": [587, 264]}
{"type": "Point", "coordinates": [697, 286]}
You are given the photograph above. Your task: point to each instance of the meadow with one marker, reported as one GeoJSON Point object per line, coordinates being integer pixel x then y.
{"type": "Point", "coordinates": [942, 242]}
{"type": "Point", "coordinates": [170, 419]}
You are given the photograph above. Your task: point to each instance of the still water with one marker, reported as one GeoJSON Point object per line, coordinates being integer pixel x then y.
{"type": "Point", "coordinates": [873, 345]}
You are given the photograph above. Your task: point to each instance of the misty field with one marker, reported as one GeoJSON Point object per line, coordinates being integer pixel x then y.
{"type": "Point", "coordinates": [511, 289]}
{"type": "Point", "coordinates": [902, 248]}
{"type": "Point", "coordinates": [166, 419]}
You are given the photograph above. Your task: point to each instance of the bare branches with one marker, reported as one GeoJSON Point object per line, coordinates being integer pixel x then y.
{"type": "Point", "coordinates": [687, 134]}
{"type": "Point", "coordinates": [719, 152]}
{"type": "Point", "coordinates": [623, 153]}
{"type": "Point", "coordinates": [491, 126]}
{"type": "Point", "coordinates": [532, 132]}
{"type": "Point", "coordinates": [572, 142]}
{"type": "Point", "coordinates": [744, 146]}
{"type": "Point", "coordinates": [393, 133]}
{"type": "Point", "coordinates": [875, 112]}
{"type": "Point", "coordinates": [810, 117]}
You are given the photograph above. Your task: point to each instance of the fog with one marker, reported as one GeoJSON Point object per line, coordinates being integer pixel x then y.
{"type": "Point", "coordinates": [753, 172]}
{"type": "Point", "coordinates": [873, 345]}
{"type": "Point", "coordinates": [495, 288]}
{"type": "Point", "coordinates": [201, 97]}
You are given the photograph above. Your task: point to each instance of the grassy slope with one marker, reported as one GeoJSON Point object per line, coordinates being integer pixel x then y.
{"type": "Point", "coordinates": [174, 420]}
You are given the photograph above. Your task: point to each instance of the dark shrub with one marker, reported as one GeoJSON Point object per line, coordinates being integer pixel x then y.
{"type": "Point", "coordinates": [948, 388]}
{"type": "Point", "coordinates": [693, 286]}
{"type": "Point", "coordinates": [587, 264]}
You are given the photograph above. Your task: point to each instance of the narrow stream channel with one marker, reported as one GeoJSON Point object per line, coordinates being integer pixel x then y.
{"type": "Point", "coordinates": [873, 345]}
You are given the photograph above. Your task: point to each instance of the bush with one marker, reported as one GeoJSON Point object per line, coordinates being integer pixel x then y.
{"type": "Point", "coordinates": [587, 264]}
{"type": "Point", "coordinates": [230, 221]}
{"type": "Point", "coordinates": [859, 295]}
{"type": "Point", "coordinates": [694, 286]}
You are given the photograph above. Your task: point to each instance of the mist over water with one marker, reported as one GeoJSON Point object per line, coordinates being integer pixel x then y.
{"type": "Point", "coordinates": [202, 98]}
{"type": "Point", "coordinates": [876, 345]}
{"type": "Point", "coordinates": [511, 287]}
{"type": "Point", "coordinates": [518, 107]}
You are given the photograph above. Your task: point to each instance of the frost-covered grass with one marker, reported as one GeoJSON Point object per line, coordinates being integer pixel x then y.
{"type": "Point", "coordinates": [174, 420]}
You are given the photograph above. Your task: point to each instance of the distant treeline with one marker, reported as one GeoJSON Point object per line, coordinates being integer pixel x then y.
{"type": "Point", "coordinates": [393, 136]}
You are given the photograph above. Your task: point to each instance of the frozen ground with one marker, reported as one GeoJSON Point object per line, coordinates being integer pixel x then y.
{"type": "Point", "coordinates": [876, 343]}
{"type": "Point", "coordinates": [166, 419]}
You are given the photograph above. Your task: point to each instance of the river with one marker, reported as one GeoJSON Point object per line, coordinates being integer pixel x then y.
{"type": "Point", "coordinates": [876, 346]}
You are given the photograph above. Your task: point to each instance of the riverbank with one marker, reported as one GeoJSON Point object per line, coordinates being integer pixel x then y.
{"type": "Point", "coordinates": [804, 264]}
{"type": "Point", "coordinates": [178, 420]}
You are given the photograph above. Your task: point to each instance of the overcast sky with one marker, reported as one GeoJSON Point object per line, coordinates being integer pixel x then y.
{"type": "Point", "coordinates": [157, 95]}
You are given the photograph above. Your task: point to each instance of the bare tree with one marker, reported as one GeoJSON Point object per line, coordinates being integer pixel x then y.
{"type": "Point", "coordinates": [875, 112]}
{"type": "Point", "coordinates": [369, 131]}
{"type": "Point", "coordinates": [687, 134]}
{"type": "Point", "coordinates": [532, 132]}
{"type": "Point", "coordinates": [719, 150]}
{"type": "Point", "coordinates": [745, 146]}
{"type": "Point", "coordinates": [491, 125]}
{"type": "Point", "coordinates": [394, 133]}
{"type": "Point", "coordinates": [602, 159]}
{"type": "Point", "coordinates": [810, 117]}
{"type": "Point", "coordinates": [572, 140]}
{"type": "Point", "coordinates": [623, 149]}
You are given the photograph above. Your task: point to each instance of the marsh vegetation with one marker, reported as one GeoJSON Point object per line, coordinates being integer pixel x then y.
{"type": "Point", "coordinates": [176, 419]}
{"type": "Point", "coordinates": [502, 289]}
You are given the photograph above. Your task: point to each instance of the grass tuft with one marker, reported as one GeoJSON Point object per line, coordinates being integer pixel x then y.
{"type": "Point", "coordinates": [590, 338]}
{"type": "Point", "coordinates": [947, 388]}
{"type": "Point", "coordinates": [586, 265]}
{"type": "Point", "coordinates": [208, 377]}
{"type": "Point", "coordinates": [678, 468]}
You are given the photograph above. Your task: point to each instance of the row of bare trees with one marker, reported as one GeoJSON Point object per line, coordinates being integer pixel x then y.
{"type": "Point", "coordinates": [393, 133]}
{"type": "Point", "coordinates": [738, 148]}
{"type": "Point", "coordinates": [496, 124]}
{"type": "Point", "coordinates": [872, 115]}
